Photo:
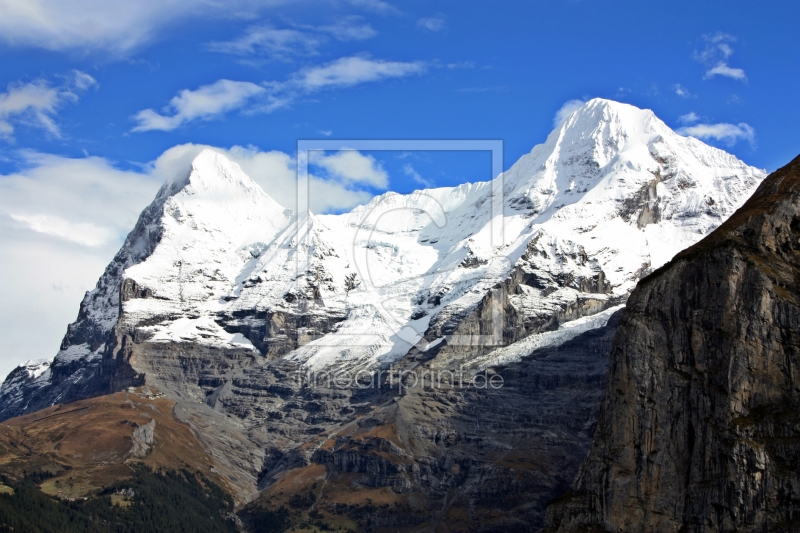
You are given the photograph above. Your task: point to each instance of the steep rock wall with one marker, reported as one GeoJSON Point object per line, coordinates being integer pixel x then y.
{"type": "Point", "coordinates": [700, 428]}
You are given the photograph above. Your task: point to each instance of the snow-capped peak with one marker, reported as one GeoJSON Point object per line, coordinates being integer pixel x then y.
{"type": "Point", "coordinates": [611, 194]}
{"type": "Point", "coordinates": [207, 229]}
{"type": "Point", "coordinates": [605, 129]}
{"type": "Point", "coordinates": [213, 171]}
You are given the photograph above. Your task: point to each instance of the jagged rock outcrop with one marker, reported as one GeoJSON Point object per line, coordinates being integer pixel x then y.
{"type": "Point", "coordinates": [143, 436]}
{"type": "Point", "coordinates": [700, 427]}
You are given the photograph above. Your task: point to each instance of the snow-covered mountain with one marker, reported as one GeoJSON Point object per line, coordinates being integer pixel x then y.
{"type": "Point", "coordinates": [562, 236]}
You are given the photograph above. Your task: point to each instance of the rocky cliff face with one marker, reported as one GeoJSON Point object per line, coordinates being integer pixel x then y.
{"type": "Point", "coordinates": [468, 458]}
{"type": "Point", "coordinates": [700, 427]}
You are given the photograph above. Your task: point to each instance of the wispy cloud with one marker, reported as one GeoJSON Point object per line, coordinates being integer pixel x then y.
{"type": "Point", "coordinates": [569, 107]}
{"type": "Point", "coordinates": [434, 24]}
{"type": "Point", "coordinates": [622, 92]}
{"type": "Point", "coordinates": [723, 69]}
{"type": "Point", "coordinates": [106, 26]}
{"type": "Point", "coordinates": [279, 44]}
{"type": "Point", "coordinates": [715, 57]}
{"type": "Point", "coordinates": [283, 44]}
{"type": "Point", "coordinates": [36, 103]}
{"type": "Point", "coordinates": [409, 171]}
{"type": "Point", "coordinates": [494, 89]}
{"type": "Point", "coordinates": [351, 28]}
{"type": "Point", "coordinates": [354, 70]}
{"type": "Point", "coordinates": [206, 103]}
{"type": "Point", "coordinates": [376, 6]}
{"type": "Point", "coordinates": [223, 96]}
{"type": "Point", "coordinates": [728, 134]}
{"type": "Point", "coordinates": [682, 91]}
{"type": "Point", "coordinates": [689, 118]}
{"type": "Point", "coordinates": [460, 65]}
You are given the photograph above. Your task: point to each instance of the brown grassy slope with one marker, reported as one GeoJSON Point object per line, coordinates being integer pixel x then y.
{"type": "Point", "coordinates": [85, 445]}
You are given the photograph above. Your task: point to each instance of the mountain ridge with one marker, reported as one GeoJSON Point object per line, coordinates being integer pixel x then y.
{"type": "Point", "coordinates": [212, 309]}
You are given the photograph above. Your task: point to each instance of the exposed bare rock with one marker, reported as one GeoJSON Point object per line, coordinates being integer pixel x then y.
{"type": "Point", "coordinates": [700, 427]}
{"type": "Point", "coordinates": [143, 436]}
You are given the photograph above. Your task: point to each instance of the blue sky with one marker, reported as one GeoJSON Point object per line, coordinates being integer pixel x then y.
{"type": "Point", "coordinates": [101, 100]}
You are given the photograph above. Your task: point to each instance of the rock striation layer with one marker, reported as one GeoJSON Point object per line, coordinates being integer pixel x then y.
{"type": "Point", "coordinates": [700, 427]}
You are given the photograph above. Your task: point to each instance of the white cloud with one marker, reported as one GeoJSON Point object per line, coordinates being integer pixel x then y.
{"type": "Point", "coordinates": [77, 80]}
{"type": "Point", "coordinates": [349, 29]}
{"type": "Point", "coordinates": [569, 107]}
{"type": "Point", "coordinates": [86, 201]}
{"type": "Point", "coordinates": [328, 197]}
{"type": "Point", "coordinates": [43, 283]}
{"type": "Point", "coordinates": [377, 6]}
{"type": "Point", "coordinates": [689, 118]}
{"type": "Point", "coordinates": [302, 40]}
{"type": "Point", "coordinates": [353, 70]}
{"type": "Point", "coordinates": [89, 202]}
{"type": "Point", "coordinates": [351, 167]}
{"type": "Point", "coordinates": [715, 56]}
{"type": "Point", "coordinates": [84, 233]}
{"type": "Point", "coordinates": [726, 133]}
{"type": "Point", "coordinates": [279, 44]}
{"type": "Point", "coordinates": [723, 69]}
{"type": "Point", "coordinates": [436, 23]}
{"type": "Point", "coordinates": [36, 103]}
{"type": "Point", "coordinates": [211, 101]}
{"type": "Point", "coordinates": [33, 102]}
{"type": "Point", "coordinates": [206, 103]}
{"type": "Point", "coordinates": [108, 26]}
{"type": "Point", "coordinates": [61, 221]}
{"type": "Point", "coordinates": [414, 175]}
{"type": "Point", "coordinates": [682, 91]}
{"type": "Point", "coordinates": [118, 27]}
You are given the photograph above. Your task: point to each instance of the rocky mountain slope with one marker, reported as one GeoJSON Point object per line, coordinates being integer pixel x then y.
{"type": "Point", "coordinates": [225, 301]}
{"type": "Point", "coordinates": [700, 428]}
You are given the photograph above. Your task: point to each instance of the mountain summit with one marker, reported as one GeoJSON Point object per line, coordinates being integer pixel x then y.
{"type": "Point", "coordinates": [218, 296]}
{"type": "Point", "coordinates": [612, 194]}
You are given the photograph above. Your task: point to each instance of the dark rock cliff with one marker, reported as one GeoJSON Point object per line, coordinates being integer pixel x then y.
{"type": "Point", "coordinates": [466, 458]}
{"type": "Point", "coordinates": [700, 427]}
